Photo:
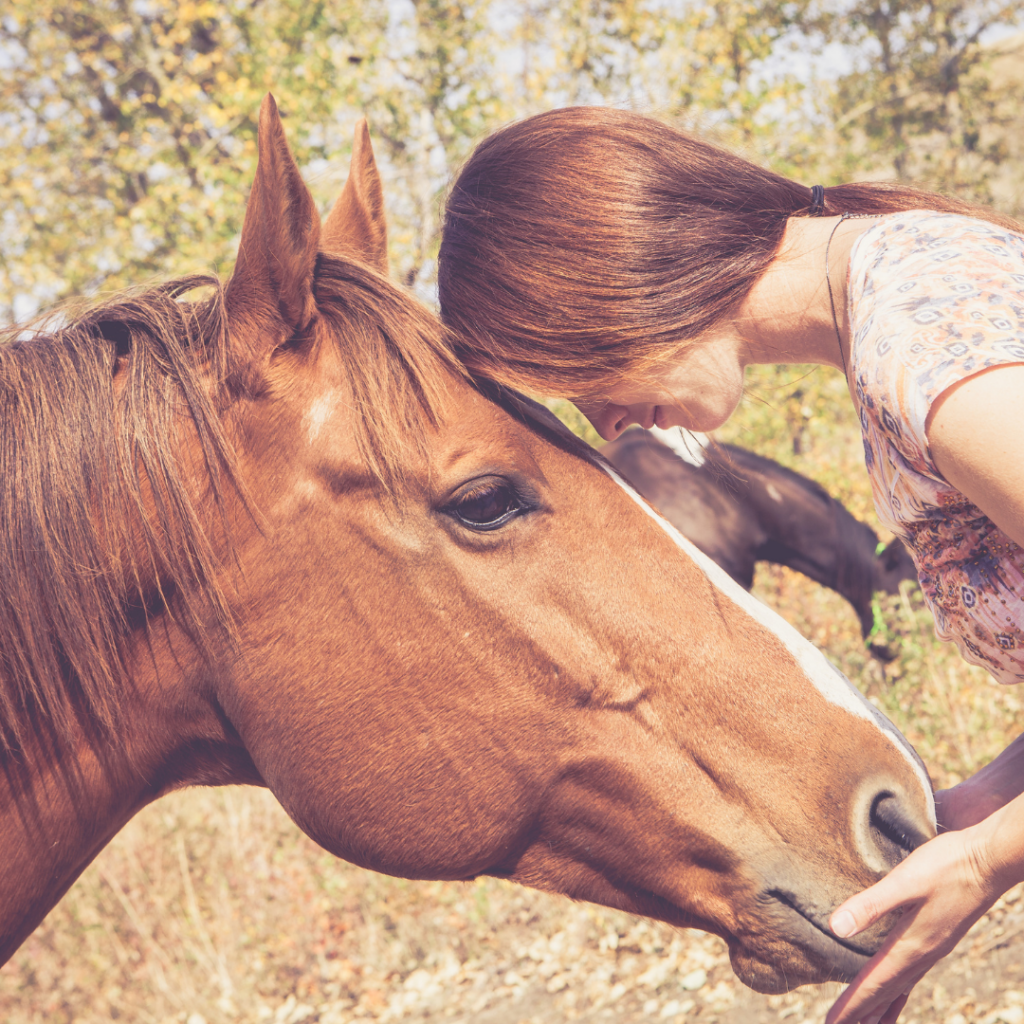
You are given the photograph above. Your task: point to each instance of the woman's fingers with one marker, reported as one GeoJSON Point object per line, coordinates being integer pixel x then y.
{"type": "Point", "coordinates": [882, 1009]}
{"type": "Point", "coordinates": [867, 907]}
{"type": "Point", "coordinates": [943, 888]}
{"type": "Point", "coordinates": [895, 1007]}
{"type": "Point", "coordinates": [949, 860]}
{"type": "Point", "coordinates": [884, 981]}
{"type": "Point", "coordinates": [880, 991]}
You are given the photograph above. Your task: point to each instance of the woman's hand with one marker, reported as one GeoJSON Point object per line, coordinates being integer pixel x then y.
{"type": "Point", "coordinates": [942, 888]}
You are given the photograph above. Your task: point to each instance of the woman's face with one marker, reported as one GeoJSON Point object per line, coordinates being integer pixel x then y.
{"type": "Point", "coordinates": [699, 389]}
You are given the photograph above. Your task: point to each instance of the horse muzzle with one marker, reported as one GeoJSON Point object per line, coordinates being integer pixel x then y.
{"type": "Point", "coordinates": [792, 943]}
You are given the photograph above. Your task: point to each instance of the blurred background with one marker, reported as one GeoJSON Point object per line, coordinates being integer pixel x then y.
{"type": "Point", "coordinates": [127, 144]}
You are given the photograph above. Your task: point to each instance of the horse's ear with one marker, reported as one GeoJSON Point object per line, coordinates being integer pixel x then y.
{"type": "Point", "coordinates": [270, 295]}
{"type": "Point", "coordinates": [356, 226]}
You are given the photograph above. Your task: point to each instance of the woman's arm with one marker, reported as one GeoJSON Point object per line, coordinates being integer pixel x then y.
{"type": "Point", "coordinates": [995, 785]}
{"type": "Point", "coordinates": [976, 434]}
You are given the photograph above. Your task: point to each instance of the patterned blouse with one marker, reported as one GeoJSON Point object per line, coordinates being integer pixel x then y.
{"type": "Point", "coordinates": [933, 299]}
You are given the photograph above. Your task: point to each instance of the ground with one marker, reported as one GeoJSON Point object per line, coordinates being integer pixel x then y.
{"type": "Point", "coordinates": [211, 908]}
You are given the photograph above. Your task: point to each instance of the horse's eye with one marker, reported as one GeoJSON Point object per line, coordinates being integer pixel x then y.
{"type": "Point", "coordinates": [487, 505]}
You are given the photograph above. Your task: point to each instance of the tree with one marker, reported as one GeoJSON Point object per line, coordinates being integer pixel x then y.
{"type": "Point", "coordinates": [434, 93]}
{"type": "Point", "coordinates": [129, 129]}
{"type": "Point", "coordinates": [920, 101]}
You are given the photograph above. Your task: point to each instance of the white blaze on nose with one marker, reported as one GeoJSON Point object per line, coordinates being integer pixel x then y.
{"type": "Point", "coordinates": [832, 684]}
{"type": "Point", "coordinates": [687, 444]}
{"type": "Point", "coordinates": [319, 413]}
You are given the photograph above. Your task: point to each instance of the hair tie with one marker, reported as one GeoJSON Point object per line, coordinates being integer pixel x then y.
{"type": "Point", "coordinates": [817, 200]}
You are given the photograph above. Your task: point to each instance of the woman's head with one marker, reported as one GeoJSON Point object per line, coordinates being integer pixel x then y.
{"type": "Point", "coordinates": [583, 247]}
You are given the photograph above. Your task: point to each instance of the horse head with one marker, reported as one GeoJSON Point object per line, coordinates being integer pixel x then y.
{"type": "Point", "coordinates": [442, 631]}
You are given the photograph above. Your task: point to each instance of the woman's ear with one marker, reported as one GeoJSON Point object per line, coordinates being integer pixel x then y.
{"type": "Point", "coordinates": [270, 295]}
{"type": "Point", "coordinates": [356, 226]}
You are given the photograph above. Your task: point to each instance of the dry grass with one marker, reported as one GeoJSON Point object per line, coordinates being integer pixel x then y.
{"type": "Point", "coordinates": [211, 907]}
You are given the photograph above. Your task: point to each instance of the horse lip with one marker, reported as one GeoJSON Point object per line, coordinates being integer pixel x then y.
{"type": "Point", "coordinates": [792, 902]}
{"type": "Point", "coordinates": [844, 959]}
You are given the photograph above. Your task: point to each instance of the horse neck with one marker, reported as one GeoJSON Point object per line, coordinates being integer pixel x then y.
{"type": "Point", "coordinates": [61, 800]}
{"type": "Point", "coordinates": [816, 535]}
{"type": "Point", "coordinates": [856, 563]}
{"type": "Point", "coordinates": [63, 796]}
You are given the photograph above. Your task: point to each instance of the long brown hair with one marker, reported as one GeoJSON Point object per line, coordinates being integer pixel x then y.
{"type": "Point", "coordinates": [584, 244]}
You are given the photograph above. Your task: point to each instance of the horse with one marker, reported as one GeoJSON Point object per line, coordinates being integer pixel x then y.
{"type": "Point", "coordinates": [741, 508]}
{"type": "Point", "coordinates": [270, 533]}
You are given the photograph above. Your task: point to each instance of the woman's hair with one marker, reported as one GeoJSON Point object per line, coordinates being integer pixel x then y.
{"type": "Point", "coordinates": [583, 245]}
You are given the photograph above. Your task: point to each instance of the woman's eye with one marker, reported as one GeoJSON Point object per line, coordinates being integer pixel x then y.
{"type": "Point", "coordinates": [488, 505]}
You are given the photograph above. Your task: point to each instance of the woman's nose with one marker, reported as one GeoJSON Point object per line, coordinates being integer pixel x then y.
{"type": "Point", "coordinates": [609, 420]}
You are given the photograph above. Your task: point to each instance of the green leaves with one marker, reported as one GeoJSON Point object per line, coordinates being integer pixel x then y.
{"type": "Point", "coordinates": [129, 130]}
{"type": "Point", "coordinates": [927, 99]}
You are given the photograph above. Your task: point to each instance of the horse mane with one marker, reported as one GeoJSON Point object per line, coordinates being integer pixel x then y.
{"type": "Point", "coordinates": [83, 456]}
{"type": "Point", "coordinates": [398, 356]}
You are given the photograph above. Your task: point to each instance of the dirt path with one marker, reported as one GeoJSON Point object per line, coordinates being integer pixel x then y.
{"type": "Point", "coordinates": [271, 930]}
{"type": "Point", "coordinates": [649, 973]}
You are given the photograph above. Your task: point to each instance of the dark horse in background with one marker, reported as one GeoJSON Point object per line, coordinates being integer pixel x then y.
{"type": "Point", "coordinates": [740, 508]}
{"type": "Point", "coordinates": [270, 533]}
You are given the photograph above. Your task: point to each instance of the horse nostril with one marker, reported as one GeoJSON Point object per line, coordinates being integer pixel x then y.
{"type": "Point", "coordinates": [888, 828]}
{"type": "Point", "coordinates": [891, 830]}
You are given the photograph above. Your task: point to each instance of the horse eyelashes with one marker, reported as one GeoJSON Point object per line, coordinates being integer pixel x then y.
{"type": "Point", "coordinates": [488, 506]}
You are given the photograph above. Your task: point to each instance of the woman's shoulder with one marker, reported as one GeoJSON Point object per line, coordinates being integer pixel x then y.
{"type": "Point", "coordinates": [931, 241]}
{"type": "Point", "coordinates": [939, 293]}
{"type": "Point", "coordinates": [934, 298]}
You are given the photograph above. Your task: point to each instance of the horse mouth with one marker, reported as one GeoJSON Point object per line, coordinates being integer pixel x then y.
{"type": "Point", "coordinates": [808, 929]}
{"type": "Point", "coordinates": [790, 901]}
{"type": "Point", "coordinates": [791, 944]}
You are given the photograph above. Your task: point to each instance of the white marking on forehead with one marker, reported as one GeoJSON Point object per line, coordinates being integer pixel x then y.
{"type": "Point", "coordinates": [773, 493]}
{"type": "Point", "coordinates": [319, 412]}
{"type": "Point", "coordinates": [827, 679]}
{"type": "Point", "coordinates": [687, 444]}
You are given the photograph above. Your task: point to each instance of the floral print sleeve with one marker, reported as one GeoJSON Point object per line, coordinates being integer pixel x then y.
{"type": "Point", "coordinates": [933, 299]}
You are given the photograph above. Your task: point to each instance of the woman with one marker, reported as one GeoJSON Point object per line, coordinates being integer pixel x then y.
{"type": "Point", "coordinates": [599, 255]}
